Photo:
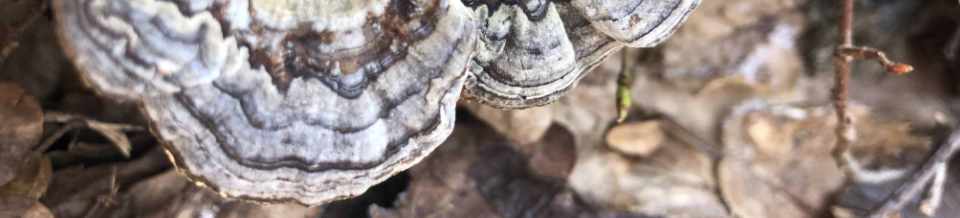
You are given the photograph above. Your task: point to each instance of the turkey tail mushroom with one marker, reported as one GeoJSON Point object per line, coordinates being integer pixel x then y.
{"type": "Point", "coordinates": [281, 100]}
{"type": "Point", "coordinates": [637, 23]}
{"type": "Point", "coordinates": [533, 51]}
{"type": "Point", "coordinates": [523, 58]}
{"type": "Point", "coordinates": [132, 49]}
{"type": "Point", "coordinates": [313, 101]}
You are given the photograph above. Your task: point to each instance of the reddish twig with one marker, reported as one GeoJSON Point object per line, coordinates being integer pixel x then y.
{"type": "Point", "coordinates": [844, 55]}
{"type": "Point", "coordinates": [867, 53]}
{"type": "Point", "coordinates": [841, 65]}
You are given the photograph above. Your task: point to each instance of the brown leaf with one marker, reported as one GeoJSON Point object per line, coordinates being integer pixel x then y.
{"type": "Point", "coordinates": [21, 129]}
{"type": "Point", "coordinates": [23, 207]}
{"type": "Point", "coordinates": [555, 155]}
{"type": "Point", "coordinates": [476, 174]}
{"type": "Point", "coordinates": [777, 161]}
{"type": "Point", "coordinates": [68, 199]}
{"type": "Point", "coordinates": [32, 178]}
{"type": "Point", "coordinates": [727, 52]}
{"type": "Point", "coordinates": [637, 139]}
{"type": "Point", "coordinates": [440, 186]}
{"type": "Point", "coordinates": [675, 180]}
{"type": "Point", "coordinates": [778, 158]}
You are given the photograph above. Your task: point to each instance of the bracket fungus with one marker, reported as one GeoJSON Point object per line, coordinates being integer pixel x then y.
{"type": "Point", "coordinates": [313, 101]}
{"type": "Point", "coordinates": [531, 52]}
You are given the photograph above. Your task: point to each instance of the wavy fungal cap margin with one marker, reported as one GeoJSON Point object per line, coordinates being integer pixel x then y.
{"type": "Point", "coordinates": [313, 101]}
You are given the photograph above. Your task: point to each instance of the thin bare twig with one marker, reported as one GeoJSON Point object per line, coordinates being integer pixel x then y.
{"type": "Point", "coordinates": [844, 55]}
{"type": "Point", "coordinates": [931, 203]}
{"type": "Point", "coordinates": [867, 53]}
{"type": "Point", "coordinates": [60, 117]}
{"type": "Point", "coordinates": [49, 140]}
{"type": "Point", "coordinates": [920, 178]}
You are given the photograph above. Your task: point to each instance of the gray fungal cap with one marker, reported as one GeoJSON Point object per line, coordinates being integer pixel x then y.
{"type": "Point", "coordinates": [532, 51]}
{"type": "Point", "coordinates": [313, 101]}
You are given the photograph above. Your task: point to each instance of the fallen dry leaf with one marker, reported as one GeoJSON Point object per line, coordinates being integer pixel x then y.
{"type": "Point", "coordinates": [754, 40]}
{"type": "Point", "coordinates": [636, 139]}
{"type": "Point", "coordinates": [21, 129]}
{"type": "Point", "coordinates": [778, 161]}
{"type": "Point", "coordinates": [886, 149]}
{"type": "Point", "coordinates": [728, 51]}
{"type": "Point", "coordinates": [555, 155]}
{"type": "Point", "coordinates": [440, 185]}
{"type": "Point", "coordinates": [675, 180]}
{"type": "Point", "coordinates": [31, 180]}
{"type": "Point", "coordinates": [170, 195]}
{"type": "Point", "coordinates": [23, 207]}
{"type": "Point", "coordinates": [150, 188]}
{"type": "Point", "coordinates": [478, 174]}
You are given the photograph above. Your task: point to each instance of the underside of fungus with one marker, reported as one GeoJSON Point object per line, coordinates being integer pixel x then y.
{"type": "Point", "coordinates": [312, 101]}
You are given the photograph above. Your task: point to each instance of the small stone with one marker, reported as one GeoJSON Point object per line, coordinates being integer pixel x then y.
{"type": "Point", "coordinates": [636, 139]}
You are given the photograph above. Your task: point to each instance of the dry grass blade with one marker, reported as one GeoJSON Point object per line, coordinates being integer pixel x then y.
{"type": "Point", "coordinates": [114, 132]}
